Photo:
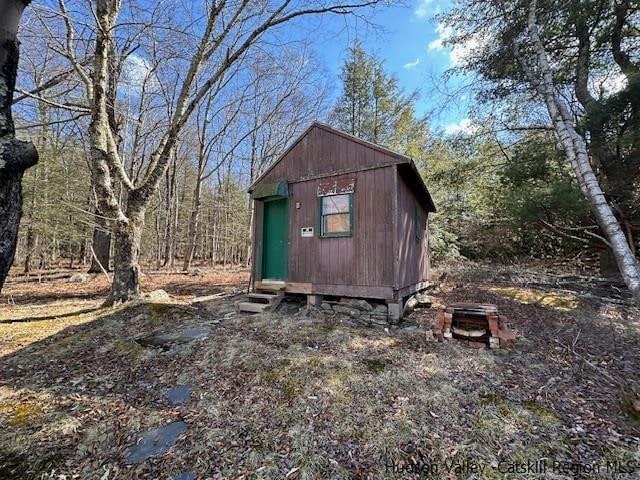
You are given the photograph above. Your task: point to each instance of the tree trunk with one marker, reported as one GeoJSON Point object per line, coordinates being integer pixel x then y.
{"type": "Point", "coordinates": [101, 245]}
{"type": "Point", "coordinates": [32, 243]}
{"type": "Point", "coordinates": [575, 148]}
{"type": "Point", "coordinates": [15, 156]}
{"type": "Point", "coordinates": [192, 235]}
{"type": "Point", "coordinates": [127, 236]}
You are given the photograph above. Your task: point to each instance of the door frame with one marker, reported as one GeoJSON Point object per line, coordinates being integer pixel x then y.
{"type": "Point", "coordinates": [261, 230]}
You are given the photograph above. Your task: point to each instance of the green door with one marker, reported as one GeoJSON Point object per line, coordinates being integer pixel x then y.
{"type": "Point", "coordinates": [275, 233]}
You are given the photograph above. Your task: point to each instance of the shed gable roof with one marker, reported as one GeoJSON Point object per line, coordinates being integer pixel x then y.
{"type": "Point", "coordinates": [322, 149]}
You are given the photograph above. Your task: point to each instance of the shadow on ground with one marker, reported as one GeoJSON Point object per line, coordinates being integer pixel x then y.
{"type": "Point", "coordinates": [273, 393]}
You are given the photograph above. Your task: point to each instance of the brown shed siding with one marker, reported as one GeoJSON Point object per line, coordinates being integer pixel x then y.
{"type": "Point", "coordinates": [413, 254]}
{"type": "Point", "coordinates": [363, 259]}
{"type": "Point", "coordinates": [322, 151]}
{"type": "Point", "coordinates": [381, 259]}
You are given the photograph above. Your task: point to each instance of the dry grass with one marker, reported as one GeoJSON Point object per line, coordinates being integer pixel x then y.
{"type": "Point", "coordinates": [274, 393]}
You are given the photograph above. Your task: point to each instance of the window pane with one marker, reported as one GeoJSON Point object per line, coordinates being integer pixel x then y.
{"type": "Point", "coordinates": [337, 223]}
{"type": "Point", "coordinates": [335, 204]}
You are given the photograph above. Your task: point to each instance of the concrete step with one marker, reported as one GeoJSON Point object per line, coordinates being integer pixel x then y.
{"type": "Point", "coordinates": [252, 307]}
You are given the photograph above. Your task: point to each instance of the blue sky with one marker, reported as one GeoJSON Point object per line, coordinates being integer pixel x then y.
{"type": "Point", "coordinates": [410, 43]}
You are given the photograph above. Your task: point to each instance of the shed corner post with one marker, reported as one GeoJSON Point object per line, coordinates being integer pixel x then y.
{"type": "Point", "coordinates": [394, 227]}
{"type": "Point", "coordinates": [314, 300]}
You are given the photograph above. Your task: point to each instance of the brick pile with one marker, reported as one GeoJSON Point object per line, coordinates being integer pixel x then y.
{"type": "Point", "coordinates": [476, 324]}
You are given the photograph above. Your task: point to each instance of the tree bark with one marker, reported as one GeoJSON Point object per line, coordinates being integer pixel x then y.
{"type": "Point", "coordinates": [575, 148]}
{"type": "Point", "coordinates": [192, 235]}
{"type": "Point", "coordinates": [15, 156]}
{"type": "Point", "coordinates": [127, 236]}
{"type": "Point", "coordinates": [101, 244]}
{"type": "Point", "coordinates": [32, 243]}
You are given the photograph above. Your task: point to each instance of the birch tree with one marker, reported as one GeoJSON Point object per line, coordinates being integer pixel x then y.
{"type": "Point", "coordinates": [553, 60]}
{"type": "Point", "coordinates": [540, 74]}
{"type": "Point", "coordinates": [15, 156]}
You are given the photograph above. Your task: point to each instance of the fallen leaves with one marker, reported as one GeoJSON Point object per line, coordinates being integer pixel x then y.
{"type": "Point", "coordinates": [275, 396]}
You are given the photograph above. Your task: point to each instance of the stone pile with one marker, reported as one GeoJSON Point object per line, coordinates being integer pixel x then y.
{"type": "Point", "coordinates": [361, 311]}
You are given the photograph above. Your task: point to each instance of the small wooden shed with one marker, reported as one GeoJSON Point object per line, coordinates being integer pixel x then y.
{"type": "Point", "coordinates": [339, 216]}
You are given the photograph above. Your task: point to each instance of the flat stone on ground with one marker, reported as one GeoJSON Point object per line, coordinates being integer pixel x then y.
{"type": "Point", "coordinates": [187, 475]}
{"type": "Point", "coordinates": [179, 395]}
{"type": "Point", "coordinates": [166, 339]}
{"type": "Point", "coordinates": [155, 442]}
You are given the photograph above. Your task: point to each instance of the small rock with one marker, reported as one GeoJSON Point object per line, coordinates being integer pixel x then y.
{"type": "Point", "coordinates": [381, 309]}
{"type": "Point", "coordinates": [346, 310]}
{"type": "Point", "coordinates": [360, 304]}
{"type": "Point", "coordinates": [378, 321]}
{"type": "Point", "coordinates": [326, 306]}
{"type": "Point", "coordinates": [179, 395]}
{"type": "Point", "coordinates": [154, 442]}
{"type": "Point", "coordinates": [79, 278]}
{"type": "Point", "coordinates": [424, 299]}
{"type": "Point", "coordinates": [158, 296]}
{"type": "Point", "coordinates": [187, 475]}
{"type": "Point", "coordinates": [410, 305]}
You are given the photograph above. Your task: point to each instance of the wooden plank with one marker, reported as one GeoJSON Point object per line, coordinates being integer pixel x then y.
{"type": "Point", "coordinates": [408, 290]}
{"type": "Point", "coordinates": [413, 254]}
{"type": "Point", "coordinates": [323, 150]}
{"type": "Point", "coordinates": [262, 296]}
{"type": "Point", "coordinates": [361, 291]}
{"type": "Point", "coordinates": [299, 287]}
{"type": "Point", "coordinates": [270, 285]}
{"type": "Point", "coordinates": [252, 307]}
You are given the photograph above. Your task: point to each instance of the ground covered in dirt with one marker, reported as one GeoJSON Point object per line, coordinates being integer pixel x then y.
{"type": "Point", "coordinates": [181, 386]}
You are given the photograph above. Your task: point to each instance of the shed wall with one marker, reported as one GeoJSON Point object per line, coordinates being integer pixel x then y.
{"type": "Point", "coordinates": [413, 255]}
{"type": "Point", "coordinates": [365, 258]}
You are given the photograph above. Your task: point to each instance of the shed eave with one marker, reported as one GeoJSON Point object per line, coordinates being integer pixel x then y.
{"type": "Point", "coordinates": [429, 205]}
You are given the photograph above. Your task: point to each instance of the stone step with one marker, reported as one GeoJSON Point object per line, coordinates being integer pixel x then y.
{"type": "Point", "coordinates": [252, 307]}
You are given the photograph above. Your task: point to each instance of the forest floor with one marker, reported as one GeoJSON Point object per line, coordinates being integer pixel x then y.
{"type": "Point", "coordinates": [299, 395]}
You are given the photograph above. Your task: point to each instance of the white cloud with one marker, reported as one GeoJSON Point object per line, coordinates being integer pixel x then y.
{"type": "Point", "coordinates": [463, 127]}
{"type": "Point", "coordinates": [444, 33]}
{"type": "Point", "coordinates": [135, 70]}
{"type": "Point", "coordinates": [461, 51]}
{"type": "Point", "coordinates": [458, 52]}
{"type": "Point", "coordinates": [607, 84]}
{"type": "Point", "coordinates": [435, 44]}
{"type": "Point", "coordinates": [412, 64]}
{"type": "Point", "coordinates": [423, 9]}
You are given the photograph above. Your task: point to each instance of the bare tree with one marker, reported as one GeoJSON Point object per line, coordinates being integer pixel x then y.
{"type": "Point", "coordinates": [227, 34]}
{"type": "Point", "coordinates": [15, 156]}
